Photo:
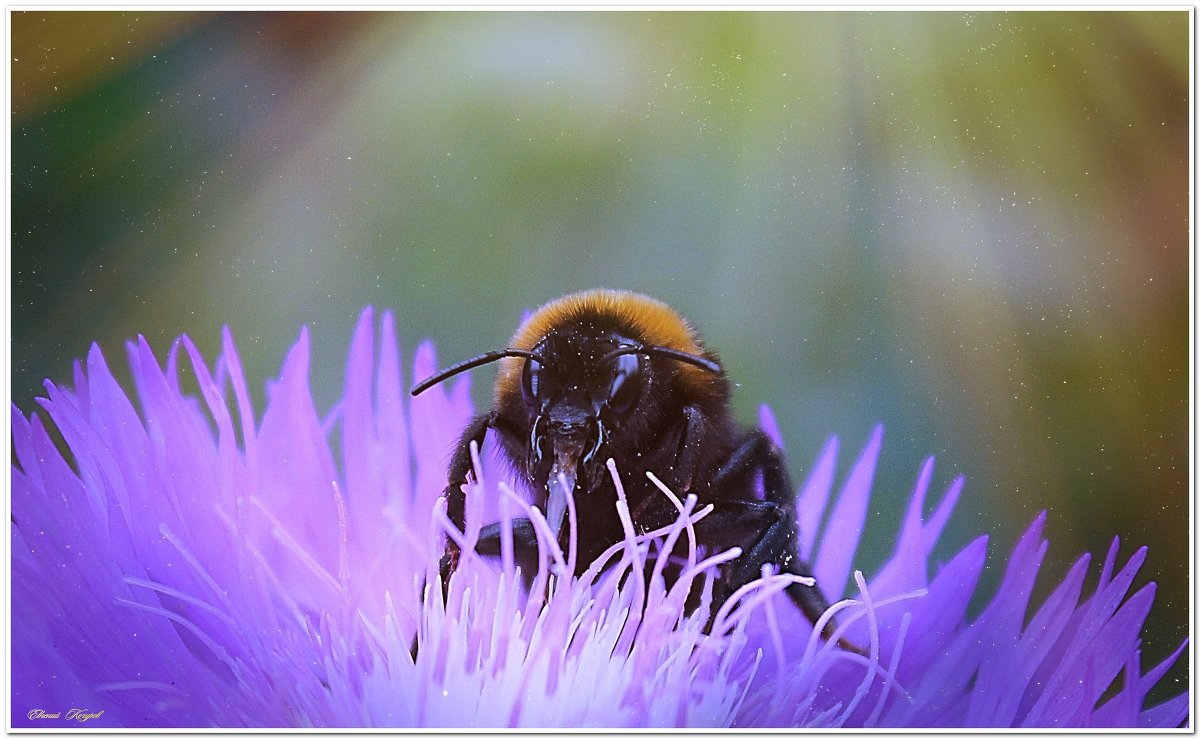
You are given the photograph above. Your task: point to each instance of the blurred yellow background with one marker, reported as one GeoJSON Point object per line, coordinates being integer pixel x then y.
{"type": "Point", "coordinates": [970, 226]}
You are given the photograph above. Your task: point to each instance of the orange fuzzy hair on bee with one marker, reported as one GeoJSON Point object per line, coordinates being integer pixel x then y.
{"type": "Point", "coordinates": [650, 321]}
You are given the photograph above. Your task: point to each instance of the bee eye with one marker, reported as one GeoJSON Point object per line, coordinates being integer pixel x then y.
{"type": "Point", "coordinates": [626, 384]}
{"type": "Point", "coordinates": [531, 380]}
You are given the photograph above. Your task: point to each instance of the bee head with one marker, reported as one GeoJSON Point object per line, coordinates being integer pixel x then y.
{"type": "Point", "coordinates": [590, 375]}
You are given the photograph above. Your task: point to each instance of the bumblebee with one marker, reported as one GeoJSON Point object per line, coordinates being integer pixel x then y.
{"type": "Point", "coordinates": [614, 374]}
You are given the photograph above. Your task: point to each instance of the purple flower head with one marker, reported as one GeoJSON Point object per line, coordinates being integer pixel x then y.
{"type": "Point", "coordinates": [192, 564]}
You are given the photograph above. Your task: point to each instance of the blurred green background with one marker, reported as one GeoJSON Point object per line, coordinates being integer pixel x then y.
{"type": "Point", "coordinates": [972, 227]}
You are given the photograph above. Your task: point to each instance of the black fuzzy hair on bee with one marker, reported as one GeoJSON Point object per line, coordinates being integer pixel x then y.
{"type": "Point", "coordinates": [612, 374]}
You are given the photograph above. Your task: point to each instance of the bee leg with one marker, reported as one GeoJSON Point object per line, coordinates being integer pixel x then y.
{"type": "Point", "coordinates": [778, 545]}
{"type": "Point", "coordinates": [456, 499]}
{"type": "Point", "coordinates": [757, 453]}
{"type": "Point", "coordinates": [688, 452]}
{"type": "Point", "coordinates": [764, 532]}
{"type": "Point", "coordinates": [777, 540]}
{"type": "Point", "coordinates": [461, 466]}
{"type": "Point", "coordinates": [525, 546]}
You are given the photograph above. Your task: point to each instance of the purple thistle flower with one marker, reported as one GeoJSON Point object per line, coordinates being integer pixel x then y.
{"type": "Point", "coordinates": [195, 565]}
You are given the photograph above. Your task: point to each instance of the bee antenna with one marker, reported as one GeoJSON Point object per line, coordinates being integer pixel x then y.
{"type": "Point", "coordinates": [471, 363]}
{"type": "Point", "coordinates": [703, 363]}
